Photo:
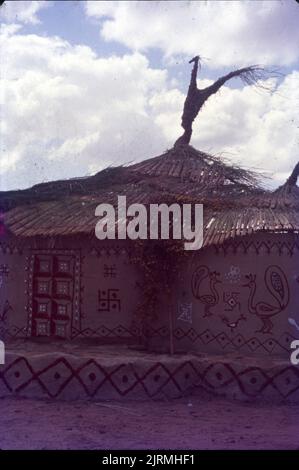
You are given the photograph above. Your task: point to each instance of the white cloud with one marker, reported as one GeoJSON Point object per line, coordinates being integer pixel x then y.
{"type": "Point", "coordinates": [228, 33]}
{"type": "Point", "coordinates": [67, 112]}
{"type": "Point", "coordinates": [249, 126]}
{"type": "Point", "coordinates": [258, 129]}
{"type": "Point", "coordinates": [22, 11]}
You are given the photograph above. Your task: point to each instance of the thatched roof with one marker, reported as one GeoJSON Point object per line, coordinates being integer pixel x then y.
{"type": "Point", "coordinates": [173, 171]}
{"type": "Point", "coordinates": [209, 175]}
{"type": "Point", "coordinates": [234, 203]}
{"type": "Point", "coordinates": [62, 189]}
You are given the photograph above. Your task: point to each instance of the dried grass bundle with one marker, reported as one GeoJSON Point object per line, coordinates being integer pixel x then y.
{"type": "Point", "coordinates": [252, 75]}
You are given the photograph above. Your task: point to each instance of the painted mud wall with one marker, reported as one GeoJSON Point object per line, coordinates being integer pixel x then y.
{"type": "Point", "coordinates": [109, 294]}
{"type": "Point", "coordinates": [236, 298]}
{"type": "Point", "coordinates": [13, 296]}
{"type": "Point", "coordinates": [84, 291]}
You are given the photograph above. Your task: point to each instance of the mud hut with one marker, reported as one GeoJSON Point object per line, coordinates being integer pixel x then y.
{"type": "Point", "coordinates": [240, 292]}
{"type": "Point", "coordinates": [57, 278]}
{"type": "Point", "coordinates": [236, 294]}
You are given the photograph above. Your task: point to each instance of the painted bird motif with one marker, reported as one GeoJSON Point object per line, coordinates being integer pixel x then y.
{"type": "Point", "coordinates": [277, 284]}
{"type": "Point", "coordinates": [210, 299]}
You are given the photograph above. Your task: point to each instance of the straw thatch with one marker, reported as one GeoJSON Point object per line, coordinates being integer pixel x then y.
{"type": "Point", "coordinates": [197, 97]}
{"type": "Point", "coordinates": [234, 202]}
{"type": "Point", "coordinates": [208, 175]}
{"type": "Point", "coordinates": [65, 208]}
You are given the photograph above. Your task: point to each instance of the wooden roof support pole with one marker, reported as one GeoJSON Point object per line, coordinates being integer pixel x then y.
{"type": "Point", "coordinates": [189, 112]}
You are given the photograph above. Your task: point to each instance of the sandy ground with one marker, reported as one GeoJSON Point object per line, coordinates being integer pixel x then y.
{"type": "Point", "coordinates": [179, 424]}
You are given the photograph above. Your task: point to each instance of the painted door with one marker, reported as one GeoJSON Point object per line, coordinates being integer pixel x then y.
{"type": "Point", "coordinates": [52, 294]}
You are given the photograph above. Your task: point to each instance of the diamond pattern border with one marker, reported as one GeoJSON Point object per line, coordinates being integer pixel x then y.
{"type": "Point", "coordinates": [69, 376]}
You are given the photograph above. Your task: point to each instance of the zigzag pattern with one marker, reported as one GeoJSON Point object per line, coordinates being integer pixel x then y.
{"type": "Point", "coordinates": [62, 378]}
{"type": "Point", "coordinates": [244, 245]}
{"type": "Point", "coordinates": [13, 332]}
{"type": "Point", "coordinates": [224, 341]}
{"type": "Point", "coordinates": [103, 331]}
{"type": "Point", "coordinates": [205, 337]}
{"type": "Point", "coordinates": [237, 341]}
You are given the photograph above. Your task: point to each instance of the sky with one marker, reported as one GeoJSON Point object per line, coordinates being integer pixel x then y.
{"type": "Point", "coordinates": [89, 84]}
